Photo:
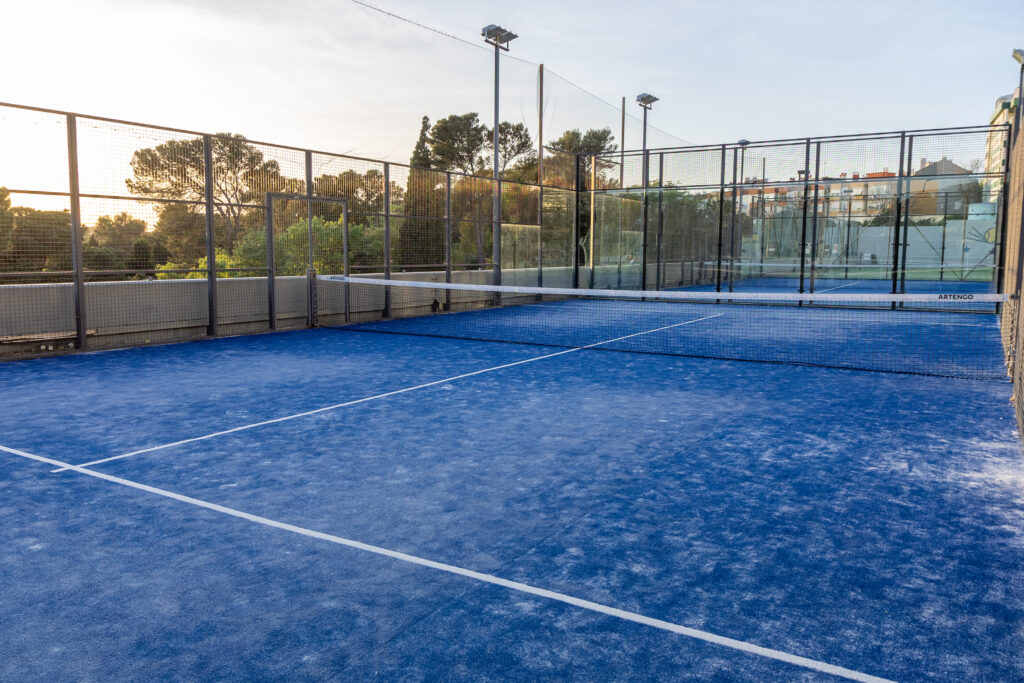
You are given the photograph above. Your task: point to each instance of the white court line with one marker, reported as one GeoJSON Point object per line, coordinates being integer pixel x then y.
{"type": "Point", "coordinates": [384, 395]}
{"type": "Point", "coordinates": [821, 291]}
{"type": "Point", "coordinates": [697, 634]}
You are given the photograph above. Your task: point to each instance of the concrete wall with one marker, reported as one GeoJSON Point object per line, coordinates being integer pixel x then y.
{"type": "Point", "coordinates": [40, 318]}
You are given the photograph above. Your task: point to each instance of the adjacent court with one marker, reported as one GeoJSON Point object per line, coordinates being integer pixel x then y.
{"type": "Point", "coordinates": [342, 502]}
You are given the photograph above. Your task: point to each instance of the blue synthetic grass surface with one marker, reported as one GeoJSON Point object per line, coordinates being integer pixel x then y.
{"type": "Point", "coordinates": [910, 341]}
{"type": "Point", "coordinates": [868, 520]}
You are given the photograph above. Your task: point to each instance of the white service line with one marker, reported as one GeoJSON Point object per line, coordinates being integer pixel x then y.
{"type": "Point", "coordinates": [379, 396]}
{"type": "Point", "coordinates": [705, 636]}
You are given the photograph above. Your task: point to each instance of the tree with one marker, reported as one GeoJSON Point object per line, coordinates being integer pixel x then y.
{"type": "Point", "coordinates": [514, 141]}
{"type": "Point", "coordinates": [421, 155]}
{"type": "Point", "coordinates": [38, 241]}
{"type": "Point", "coordinates": [175, 170]}
{"type": "Point", "coordinates": [458, 142]}
{"type": "Point", "coordinates": [594, 142]}
{"type": "Point", "coordinates": [181, 229]}
{"type": "Point", "coordinates": [6, 219]}
{"type": "Point", "coordinates": [118, 232]}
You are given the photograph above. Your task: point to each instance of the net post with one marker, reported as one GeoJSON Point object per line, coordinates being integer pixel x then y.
{"type": "Point", "coordinates": [721, 223]}
{"type": "Point", "coordinates": [659, 269]}
{"type": "Point", "coordinates": [345, 259]}
{"type": "Point", "coordinates": [211, 252]}
{"type": "Point", "coordinates": [906, 218]}
{"type": "Point", "coordinates": [644, 209]}
{"type": "Point", "coordinates": [271, 298]}
{"type": "Point", "coordinates": [81, 329]}
{"type": "Point", "coordinates": [387, 238]}
{"type": "Point", "coordinates": [576, 224]}
{"type": "Point", "coordinates": [897, 217]}
{"type": "Point", "coordinates": [814, 212]}
{"type": "Point", "coordinates": [447, 238]}
{"type": "Point", "coordinates": [803, 216]}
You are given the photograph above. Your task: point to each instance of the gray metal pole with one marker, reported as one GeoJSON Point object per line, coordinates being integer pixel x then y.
{"type": "Point", "coordinates": [906, 218]}
{"type": "Point", "coordinates": [271, 296]}
{"type": "Point", "coordinates": [540, 177]}
{"type": "Point", "coordinates": [387, 238]}
{"type": "Point", "coordinates": [803, 217]}
{"type": "Point", "coordinates": [81, 330]}
{"type": "Point", "coordinates": [345, 262]}
{"type": "Point", "coordinates": [448, 238]}
{"type": "Point", "coordinates": [942, 250]}
{"type": "Point", "coordinates": [659, 270]}
{"type": "Point", "coordinates": [814, 212]}
{"type": "Point", "coordinates": [646, 181]}
{"type": "Point", "coordinates": [496, 208]}
{"type": "Point", "coordinates": [311, 298]}
{"type": "Point", "coordinates": [721, 223]}
{"type": "Point", "coordinates": [732, 224]}
{"type": "Point", "coordinates": [897, 211]}
{"type": "Point", "coordinates": [576, 224]}
{"type": "Point", "coordinates": [211, 252]}
{"type": "Point", "coordinates": [622, 201]}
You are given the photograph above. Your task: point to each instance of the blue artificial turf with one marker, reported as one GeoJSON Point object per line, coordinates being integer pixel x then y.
{"type": "Point", "coordinates": [868, 520]}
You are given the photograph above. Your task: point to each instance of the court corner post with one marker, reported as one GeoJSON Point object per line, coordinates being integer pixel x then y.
{"type": "Point", "coordinates": [211, 251]}
{"type": "Point", "coordinates": [81, 329]}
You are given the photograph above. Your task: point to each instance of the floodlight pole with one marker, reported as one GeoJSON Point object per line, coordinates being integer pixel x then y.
{"type": "Point", "coordinates": [499, 38]}
{"type": "Point", "coordinates": [496, 190]}
{"type": "Point", "coordinates": [645, 100]}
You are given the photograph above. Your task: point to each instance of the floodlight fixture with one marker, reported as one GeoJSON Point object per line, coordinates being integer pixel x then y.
{"type": "Point", "coordinates": [743, 143]}
{"type": "Point", "coordinates": [497, 36]}
{"type": "Point", "coordinates": [1018, 54]}
{"type": "Point", "coordinates": [645, 100]}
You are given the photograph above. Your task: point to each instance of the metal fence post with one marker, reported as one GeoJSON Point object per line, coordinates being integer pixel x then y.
{"type": "Point", "coordinates": [732, 222]}
{"type": "Point", "coordinates": [576, 224]}
{"type": "Point", "coordinates": [645, 176]}
{"type": "Point", "coordinates": [447, 238]}
{"type": "Point", "coordinates": [540, 237]}
{"type": "Point", "coordinates": [660, 269]}
{"type": "Point", "coordinates": [81, 329]}
{"type": "Point", "coordinates": [593, 258]}
{"type": "Point", "coordinates": [211, 251]}
{"type": "Point", "coordinates": [814, 212]}
{"type": "Point", "coordinates": [344, 262]}
{"type": "Point", "coordinates": [311, 294]}
{"type": "Point", "coordinates": [721, 223]}
{"type": "Point", "coordinates": [271, 296]}
{"type": "Point", "coordinates": [387, 238]}
{"type": "Point", "coordinates": [906, 216]}
{"type": "Point", "coordinates": [803, 216]}
{"type": "Point", "coordinates": [897, 216]}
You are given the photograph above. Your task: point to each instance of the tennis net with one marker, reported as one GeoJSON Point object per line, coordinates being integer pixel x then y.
{"type": "Point", "coordinates": [876, 332]}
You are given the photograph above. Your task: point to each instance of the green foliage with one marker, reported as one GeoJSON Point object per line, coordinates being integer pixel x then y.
{"type": "Point", "coordinates": [117, 232]}
{"type": "Point", "coordinates": [175, 170]}
{"type": "Point", "coordinates": [458, 142]}
{"type": "Point", "coordinates": [421, 152]}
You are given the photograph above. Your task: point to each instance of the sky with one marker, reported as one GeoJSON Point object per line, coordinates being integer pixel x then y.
{"type": "Point", "coordinates": [340, 77]}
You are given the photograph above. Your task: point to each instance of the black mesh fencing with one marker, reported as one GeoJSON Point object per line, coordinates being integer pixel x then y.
{"type": "Point", "coordinates": [117, 234]}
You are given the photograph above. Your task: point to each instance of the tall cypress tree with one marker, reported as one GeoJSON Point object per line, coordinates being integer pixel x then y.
{"type": "Point", "coordinates": [421, 152]}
